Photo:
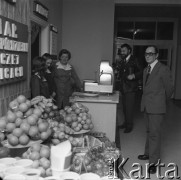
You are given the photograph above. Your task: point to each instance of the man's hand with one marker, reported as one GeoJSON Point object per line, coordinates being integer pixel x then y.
{"type": "Point", "coordinates": [131, 77]}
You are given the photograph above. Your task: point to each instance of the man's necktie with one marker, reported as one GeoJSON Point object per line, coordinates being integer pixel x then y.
{"type": "Point", "coordinates": [148, 73]}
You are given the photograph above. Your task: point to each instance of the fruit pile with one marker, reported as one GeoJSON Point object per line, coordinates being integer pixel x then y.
{"type": "Point", "coordinates": [49, 110]}
{"type": "Point", "coordinates": [77, 117]}
{"type": "Point", "coordinates": [62, 132]}
{"type": "Point", "coordinates": [23, 123]}
{"type": "Point", "coordinates": [97, 160]}
{"type": "Point", "coordinates": [40, 155]}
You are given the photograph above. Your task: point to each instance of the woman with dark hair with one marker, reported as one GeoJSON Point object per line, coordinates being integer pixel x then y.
{"type": "Point", "coordinates": [39, 85]}
{"type": "Point", "coordinates": [65, 78]}
{"type": "Point", "coordinates": [48, 74]}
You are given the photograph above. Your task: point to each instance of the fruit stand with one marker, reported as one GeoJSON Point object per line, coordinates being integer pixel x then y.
{"type": "Point", "coordinates": [31, 128]}
{"type": "Point", "coordinates": [103, 108]}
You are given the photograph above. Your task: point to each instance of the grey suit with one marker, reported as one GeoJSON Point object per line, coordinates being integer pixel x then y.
{"type": "Point", "coordinates": [156, 91]}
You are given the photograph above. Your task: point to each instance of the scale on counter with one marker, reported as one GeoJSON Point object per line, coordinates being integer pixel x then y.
{"type": "Point", "coordinates": [105, 80]}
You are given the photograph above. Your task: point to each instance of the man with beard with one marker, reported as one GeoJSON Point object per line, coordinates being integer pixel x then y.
{"type": "Point", "coordinates": [130, 73]}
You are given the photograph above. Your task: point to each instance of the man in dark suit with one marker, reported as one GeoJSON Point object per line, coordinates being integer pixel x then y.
{"type": "Point", "coordinates": [157, 88]}
{"type": "Point", "coordinates": [130, 72]}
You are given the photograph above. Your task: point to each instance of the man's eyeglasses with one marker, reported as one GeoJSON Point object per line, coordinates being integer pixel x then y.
{"type": "Point", "coordinates": [150, 54]}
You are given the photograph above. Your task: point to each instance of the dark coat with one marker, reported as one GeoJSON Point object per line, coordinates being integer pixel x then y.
{"type": "Point", "coordinates": [156, 91]}
{"type": "Point", "coordinates": [51, 83]}
{"type": "Point", "coordinates": [127, 68]}
{"type": "Point", "coordinates": [39, 86]}
{"type": "Point", "coordinates": [66, 82]}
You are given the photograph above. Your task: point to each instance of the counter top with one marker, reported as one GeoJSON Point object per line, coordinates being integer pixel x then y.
{"type": "Point", "coordinates": [101, 98]}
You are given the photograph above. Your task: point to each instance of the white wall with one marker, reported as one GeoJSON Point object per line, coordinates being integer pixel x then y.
{"type": "Point", "coordinates": [87, 31]}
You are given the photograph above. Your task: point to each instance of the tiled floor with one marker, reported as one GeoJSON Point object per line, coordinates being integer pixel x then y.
{"type": "Point", "coordinates": [132, 144]}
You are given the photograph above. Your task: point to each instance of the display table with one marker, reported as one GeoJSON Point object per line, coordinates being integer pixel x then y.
{"type": "Point", "coordinates": [103, 109]}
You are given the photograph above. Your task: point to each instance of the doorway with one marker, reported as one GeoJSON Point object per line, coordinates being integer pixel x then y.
{"type": "Point", "coordinates": [35, 40]}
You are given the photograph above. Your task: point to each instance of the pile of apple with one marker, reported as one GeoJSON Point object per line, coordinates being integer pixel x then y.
{"type": "Point", "coordinates": [52, 112]}
{"type": "Point", "coordinates": [77, 117]}
{"type": "Point", "coordinates": [23, 123]}
{"type": "Point", "coordinates": [62, 132]}
{"type": "Point", "coordinates": [97, 160]}
{"type": "Point", "coordinates": [40, 155]}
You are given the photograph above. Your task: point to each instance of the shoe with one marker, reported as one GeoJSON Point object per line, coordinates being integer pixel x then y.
{"type": "Point", "coordinates": [143, 157]}
{"type": "Point", "coordinates": [128, 130]}
{"type": "Point", "coordinates": [122, 126]}
{"type": "Point", "coordinates": [152, 169]}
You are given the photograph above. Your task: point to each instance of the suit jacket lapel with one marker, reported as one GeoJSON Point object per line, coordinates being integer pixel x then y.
{"type": "Point", "coordinates": [153, 73]}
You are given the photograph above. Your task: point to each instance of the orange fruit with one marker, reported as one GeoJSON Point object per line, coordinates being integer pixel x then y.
{"type": "Point", "coordinates": [42, 160]}
{"type": "Point", "coordinates": [68, 119]}
{"type": "Point", "coordinates": [69, 110]}
{"type": "Point", "coordinates": [19, 114]}
{"type": "Point", "coordinates": [73, 106]}
{"type": "Point", "coordinates": [23, 107]}
{"type": "Point", "coordinates": [43, 126]}
{"type": "Point", "coordinates": [21, 99]}
{"type": "Point", "coordinates": [77, 129]}
{"type": "Point", "coordinates": [88, 121]}
{"type": "Point", "coordinates": [11, 116]}
{"type": "Point", "coordinates": [74, 117]}
{"type": "Point", "coordinates": [45, 152]}
{"type": "Point", "coordinates": [61, 135]}
{"type": "Point", "coordinates": [18, 122]}
{"type": "Point", "coordinates": [35, 155]}
{"type": "Point", "coordinates": [84, 117]}
{"type": "Point", "coordinates": [36, 147]}
{"type": "Point", "coordinates": [28, 102]}
{"type": "Point", "coordinates": [37, 112]}
{"type": "Point", "coordinates": [10, 127]}
{"type": "Point", "coordinates": [43, 171]}
{"type": "Point", "coordinates": [31, 120]}
{"type": "Point", "coordinates": [14, 105]}
{"type": "Point", "coordinates": [74, 124]}
{"type": "Point", "coordinates": [51, 114]}
{"type": "Point", "coordinates": [44, 135]}
{"type": "Point", "coordinates": [33, 131]}
{"type": "Point", "coordinates": [85, 126]}
{"type": "Point", "coordinates": [35, 116]}
{"type": "Point", "coordinates": [49, 172]}
{"type": "Point", "coordinates": [91, 126]}
{"type": "Point", "coordinates": [2, 123]}
{"type": "Point", "coordinates": [35, 164]}
{"type": "Point", "coordinates": [77, 110]}
{"type": "Point", "coordinates": [24, 139]}
{"type": "Point", "coordinates": [46, 164]}
{"type": "Point", "coordinates": [79, 119]}
{"type": "Point", "coordinates": [13, 140]}
{"type": "Point", "coordinates": [82, 122]}
{"type": "Point", "coordinates": [25, 127]}
{"type": "Point", "coordinates": [17, 132]}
